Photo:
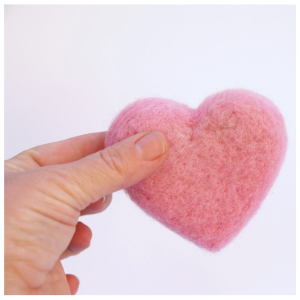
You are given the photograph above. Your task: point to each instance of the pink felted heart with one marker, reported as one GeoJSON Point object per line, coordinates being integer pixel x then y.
{"type": "Point", "coordinates": [224, 157]}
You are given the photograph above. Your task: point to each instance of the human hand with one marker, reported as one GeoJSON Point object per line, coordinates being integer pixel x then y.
{"type": "Point", "coordinates": [47, 189]}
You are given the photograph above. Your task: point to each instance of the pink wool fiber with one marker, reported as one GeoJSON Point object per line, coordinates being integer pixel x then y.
{"type": "Point", "coordinates": [224, 157]}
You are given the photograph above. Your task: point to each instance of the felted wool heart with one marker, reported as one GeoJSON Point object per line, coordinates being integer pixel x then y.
{"type": "Point", "coordinates": [224, 157]}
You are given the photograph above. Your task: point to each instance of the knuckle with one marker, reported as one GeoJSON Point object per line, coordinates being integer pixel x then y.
{"type": "Point", "coordinates": [30, 154]}
{"type": "Point", "coordinates": [25, 160]}
{"type": "Point", "coordinates": [64, 187]}
{"type": "Point", "coordinates": [115, 161]}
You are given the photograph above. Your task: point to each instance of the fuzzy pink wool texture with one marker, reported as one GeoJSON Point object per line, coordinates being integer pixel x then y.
{"type": "Point", "coordinates": [224, 157]}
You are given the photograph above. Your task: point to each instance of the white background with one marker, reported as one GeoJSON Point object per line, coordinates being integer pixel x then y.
{"type": "Point", "coordinates": [70, 69]}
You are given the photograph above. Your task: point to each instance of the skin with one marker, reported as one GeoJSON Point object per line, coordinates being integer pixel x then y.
{"type": "Point", "coordinates": [47, 189]}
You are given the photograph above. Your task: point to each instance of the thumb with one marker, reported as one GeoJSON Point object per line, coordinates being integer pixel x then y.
{"type": "Point", "coordinates": [113, 168]}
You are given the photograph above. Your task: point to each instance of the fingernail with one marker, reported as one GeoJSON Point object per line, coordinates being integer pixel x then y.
{"type": "Point", "coordinates": [150, 146]}
{"type": "Point", "coordinates": [104, 199]}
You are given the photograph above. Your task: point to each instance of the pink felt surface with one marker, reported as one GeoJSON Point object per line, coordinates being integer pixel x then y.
{"type": "Point", "coordinates": [224, 157]}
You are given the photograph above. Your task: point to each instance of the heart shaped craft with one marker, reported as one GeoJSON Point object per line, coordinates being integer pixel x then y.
{"type": "Point", "coordinates": [224, 157]}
